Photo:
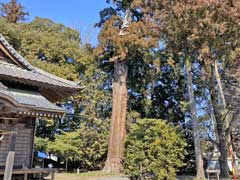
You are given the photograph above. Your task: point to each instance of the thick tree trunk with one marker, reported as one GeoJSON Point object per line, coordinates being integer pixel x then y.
{"type": "Point", "coordinates": [197, 145]}
{"type": "Point", "coordinates": [118, 122]}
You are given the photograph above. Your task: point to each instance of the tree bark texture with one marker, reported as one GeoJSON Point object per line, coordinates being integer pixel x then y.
{"type": "Point", "coordinates": [222, 121]}
{"type": "Point", "coordinates": [221, 140]}
{"type": "Point", "coordinates": [118, 121]}
{"type": "Point", "coordinates": [197, 145]}
{"type": "Point", "coordinates": [219, 83]}
{"type": "Point", "coordinates": [223, 145]}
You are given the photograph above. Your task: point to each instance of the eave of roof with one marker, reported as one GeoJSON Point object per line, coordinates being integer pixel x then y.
{"type": "Point", "coordinates": [12, 71]}
{"type": "Point", "coordinates": [38, 75]}
{"type": "Point", "coordinates": [31, 100]}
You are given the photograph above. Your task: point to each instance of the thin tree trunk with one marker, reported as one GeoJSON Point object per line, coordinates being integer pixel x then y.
{"type": "Point", "coordinates": [223, 148]}
{"type": "Point", "coordinates": [118, 122]}
{"type": "Point", "coordinates": [219, 83]}
{"type": "Point", "coordinates": [223, 142]}
{"type": "Point", "coordinates": [66, 165]}
{"type": "Point", "coordinates": [197, 145]}
{"type": "Point", "coordinates": [221, 126]}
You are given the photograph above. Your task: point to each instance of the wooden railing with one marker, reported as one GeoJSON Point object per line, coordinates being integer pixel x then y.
{"type": "Point", "coordinates": [26, 172]}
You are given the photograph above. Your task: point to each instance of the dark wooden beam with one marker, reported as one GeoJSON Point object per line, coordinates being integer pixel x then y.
{"type": "Point", "coordinates": [8, 54]}
{"type": "Point", "coordinates": [2, 105]}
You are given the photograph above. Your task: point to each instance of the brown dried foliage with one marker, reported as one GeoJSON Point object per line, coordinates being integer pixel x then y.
{"type": "Point", "coordinates": [13, 11]}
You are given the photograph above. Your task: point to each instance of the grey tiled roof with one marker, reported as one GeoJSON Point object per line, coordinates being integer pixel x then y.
{"type": "Point", "coordinates": [15, 53]}
{"type": "Point", "coordinates": [30, 73]}
{"type": "Point", "coordinates": [30, 99]}
{"type": "Point", "coordinates": [13, 71]}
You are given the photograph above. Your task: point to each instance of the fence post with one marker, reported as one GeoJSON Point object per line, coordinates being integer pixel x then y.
{"type": "Point", "coordinates": [10, 158]}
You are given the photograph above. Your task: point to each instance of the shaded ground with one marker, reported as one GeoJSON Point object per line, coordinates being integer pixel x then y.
{"type": "Point", "coordinates": [185, 178]}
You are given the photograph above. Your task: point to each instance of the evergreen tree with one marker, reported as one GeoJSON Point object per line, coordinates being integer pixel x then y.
{"type": "Point", "coordinates": [153, 150]}
{"type": "Point", "coordinates": [121, 40]}
{"type": "Point", "coordinates": [196, 31]}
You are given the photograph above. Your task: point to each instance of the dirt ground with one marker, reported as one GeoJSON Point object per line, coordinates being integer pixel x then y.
{"type": "Point", "coordinates": [80, 177]}
{"type": "Point", "coordinates": [192, 178]}
{"type": "Point", "coordinates": [105, 177]}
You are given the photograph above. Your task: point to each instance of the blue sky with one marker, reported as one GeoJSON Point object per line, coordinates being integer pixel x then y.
{"type": "Point", "coordinates": [78, 14]}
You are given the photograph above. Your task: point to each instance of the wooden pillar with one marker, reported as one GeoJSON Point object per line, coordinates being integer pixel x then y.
{"type": "Point", "coordinates": [26, 176]}
{"type": "Point", "coordinates": [33, 136]}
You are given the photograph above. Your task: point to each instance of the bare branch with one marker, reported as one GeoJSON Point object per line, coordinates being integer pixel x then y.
{"type": "Point", "coordinates": [212, 140]}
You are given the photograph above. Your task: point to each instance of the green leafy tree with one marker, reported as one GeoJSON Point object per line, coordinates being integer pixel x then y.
{"type": "Point", "coordinates": [58, 50]}
{"type": "Point", "coordinates": [47, 45]}
{"type": "Point", "coordinates": [154, 149]}
{"type": "Point", "coordinates": [41, 144]}
{"type": "Point", "coordinates": [65, 147]}
{"type": "Point", "coordinates": [86, 147]}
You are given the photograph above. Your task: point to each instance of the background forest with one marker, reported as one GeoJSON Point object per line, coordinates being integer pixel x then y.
{"type": "Point", "coordinates": [182, 63]}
